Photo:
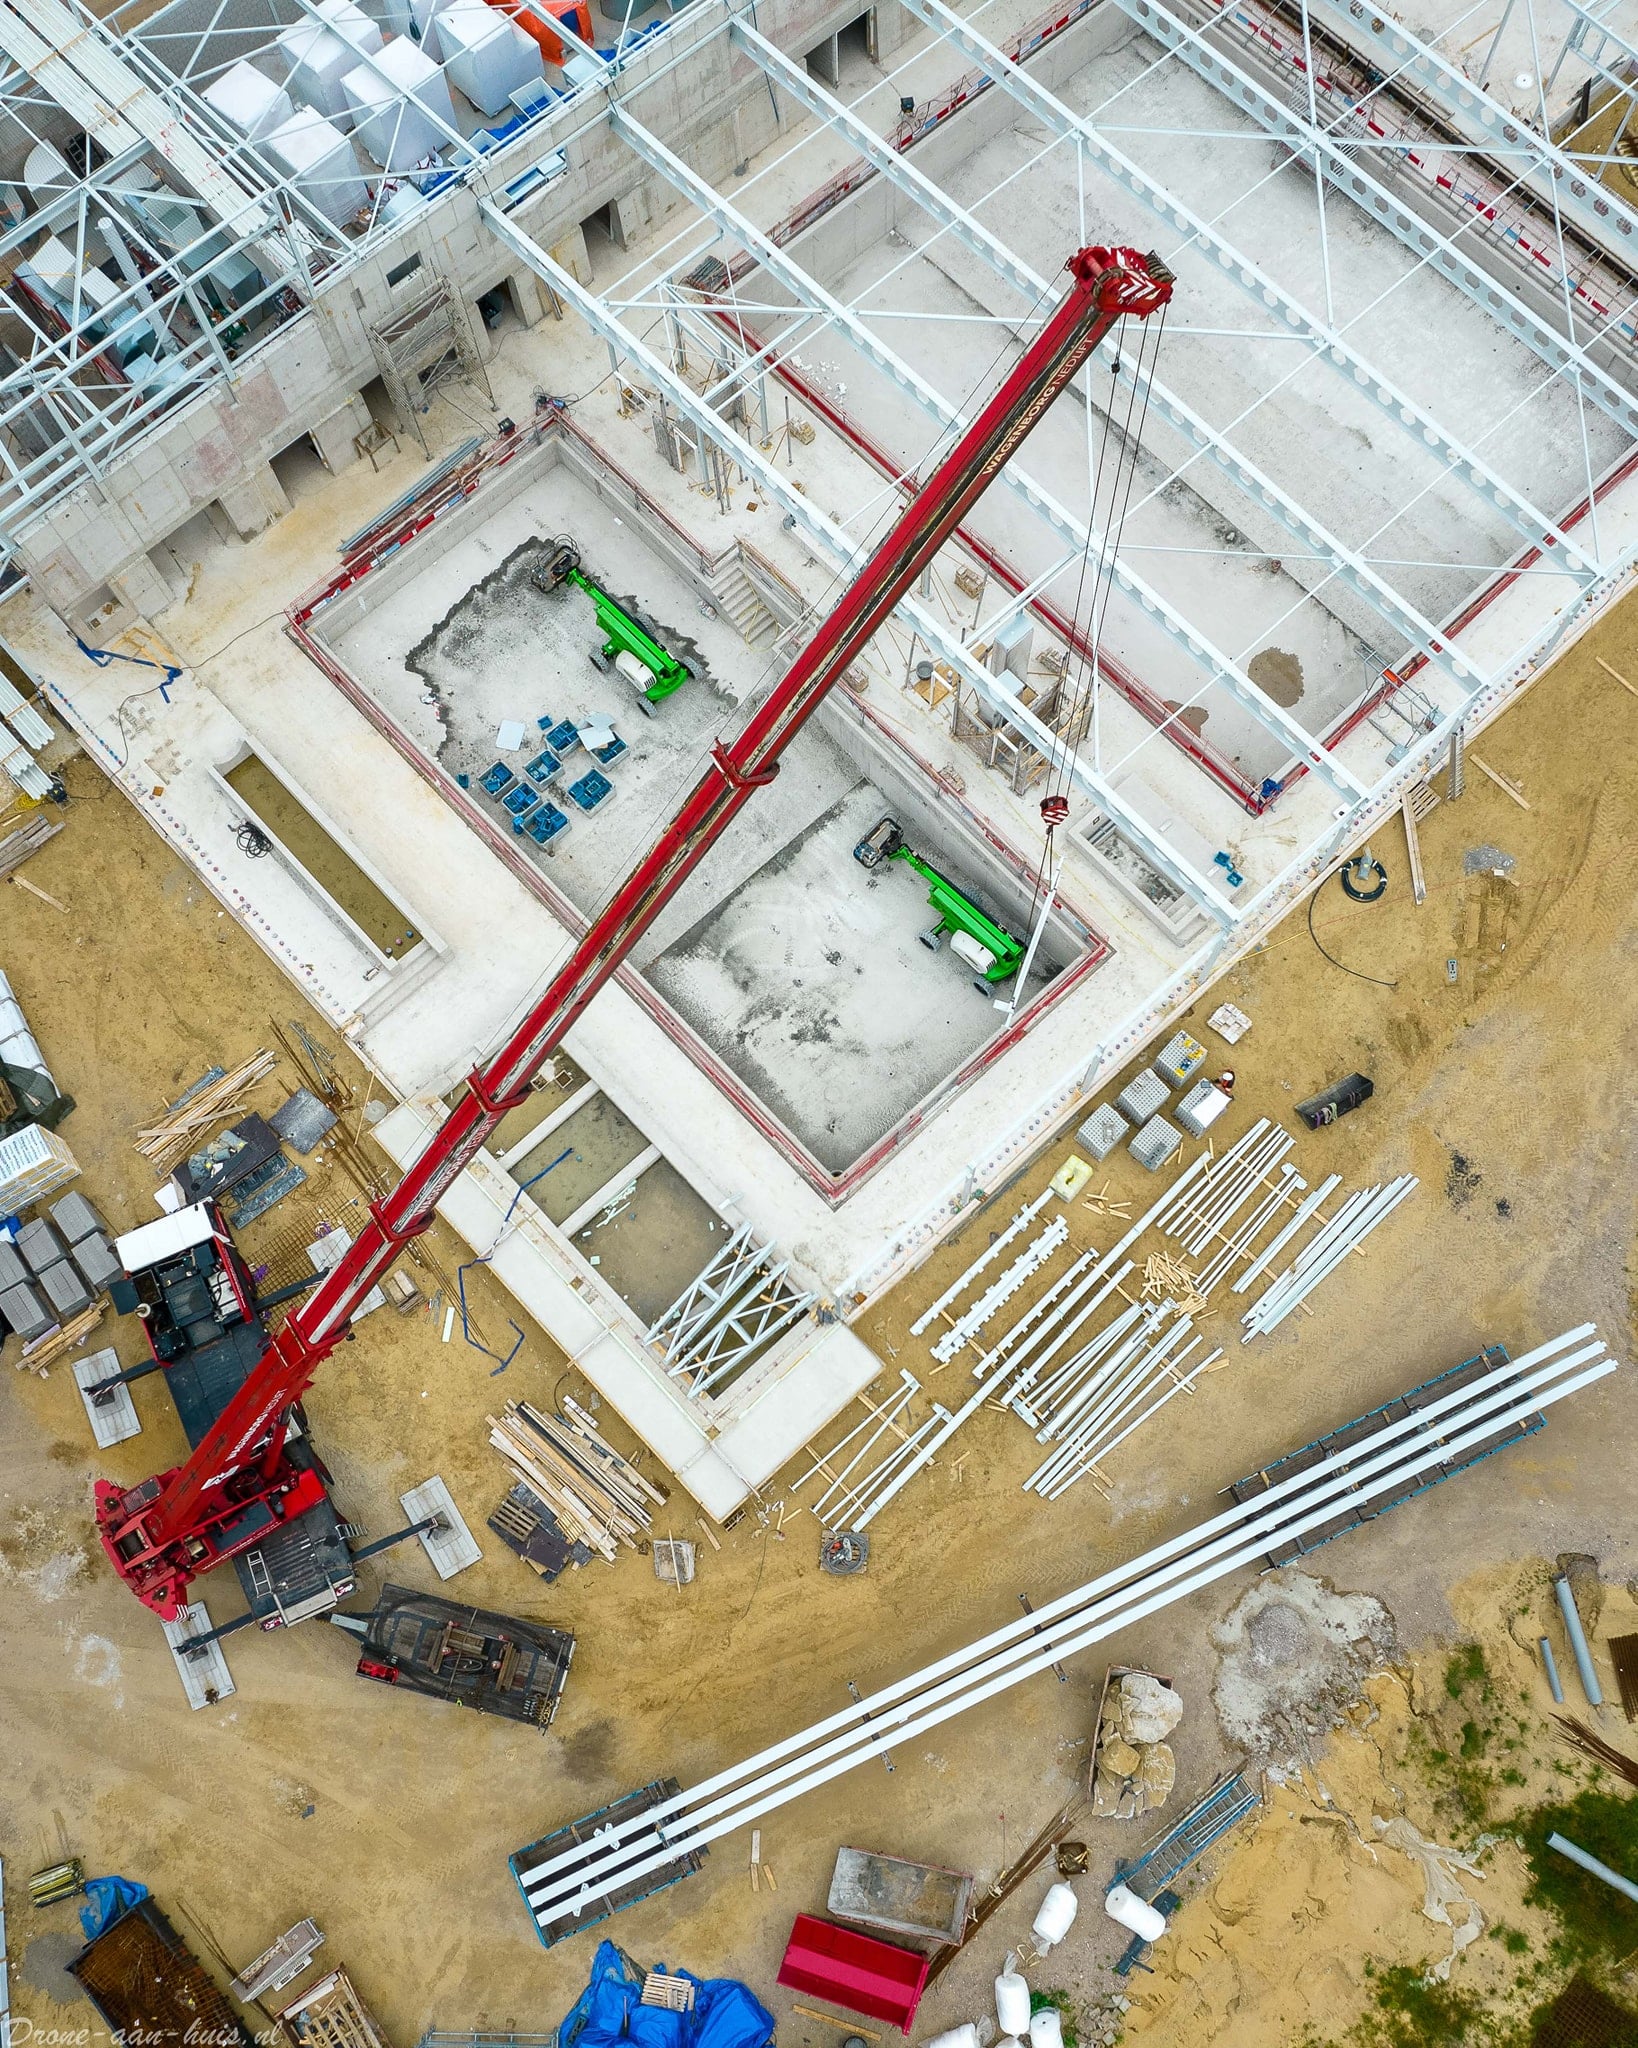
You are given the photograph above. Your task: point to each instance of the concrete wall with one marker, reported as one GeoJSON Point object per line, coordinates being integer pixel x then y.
{"type": "Point", "coordinates": [706, 101]}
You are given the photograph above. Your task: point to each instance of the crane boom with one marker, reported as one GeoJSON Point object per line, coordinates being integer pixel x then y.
{"type": "Point", "coordinates": [165, 1532]}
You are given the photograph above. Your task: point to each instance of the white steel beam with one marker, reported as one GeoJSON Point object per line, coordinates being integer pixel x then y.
{"type": "Point", "coordinates": [1376, 1465]}
{"type": "Point", "coordinates": [1329, 346]}
{"type": "Point", "coordinates": [1218, 667]}
{"type": "Point", "coordinates": [932, 631]}
{"type": "Point", "coordinates": [72, 59]}
{"type": "Point", "coordinates": [1557, 180]}
{"type": "Point", "coordinates": [1429, 243]}
{"type": "Point", "coordinates": [1395, 611]}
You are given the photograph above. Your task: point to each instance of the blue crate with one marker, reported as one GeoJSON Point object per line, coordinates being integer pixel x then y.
{"type": "Point", "coordinates": [546, 824]}
{"type": "Point", "coordinates": [520, 799]}
{"type": "Point", "coordinates": [498, 780]}
{"type": "Point", "coordinates": [612, 752]}
{"type": "Point", "coordinates": [544, 768]}
{"type": "Point", "coordinates": [591, 790]}
{"type": "Point", "coordinates": [562, 739]}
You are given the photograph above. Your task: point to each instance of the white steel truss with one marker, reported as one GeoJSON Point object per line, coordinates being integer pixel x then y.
{"type": "Point", "coordinates": [1217, 666]}
{"type": "Point", "coordinates": [944, 646]}
{"type": "Point", "coordinates": [1396, 612]}
{"type": "Point", "coordinates": [1290, 315]}
{"type": "Point", "coordinates": [1313, 141]}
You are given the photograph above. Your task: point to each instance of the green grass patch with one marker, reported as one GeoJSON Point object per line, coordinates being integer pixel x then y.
{"type": "Point", "coordinates": [1466, 1667]}
{"type": "Point", "coordinates": [1595, 1920]}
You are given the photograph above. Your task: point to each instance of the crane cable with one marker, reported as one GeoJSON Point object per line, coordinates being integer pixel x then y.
{"type": "Point", "coordinates": [1055, 805]}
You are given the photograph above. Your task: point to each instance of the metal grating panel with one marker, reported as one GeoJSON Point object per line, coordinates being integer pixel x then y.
{"type": "Point", "coordinates": [115, 1417]}
{"type": "Point", "coordinates": [1156, 1143]}
{"type": "Point", "coordinates": [450, 1550]}
{"type": "Point", "coordinates": [1178, 1058]}
{"type": "Point", "coordinates": [1141, 1097]}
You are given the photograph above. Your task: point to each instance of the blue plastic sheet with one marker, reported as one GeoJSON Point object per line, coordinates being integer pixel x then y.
{"type": "Point", "coordinates": [609, 2012]}
{"type": "Point", "coordinates": [107, 1898]}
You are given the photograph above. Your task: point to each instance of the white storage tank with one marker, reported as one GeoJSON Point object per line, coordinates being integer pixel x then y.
{"type": "Point", "coordinates": [321, 164]}
{"type": "Point", "coordinates": [486, 57]}
{"type": "Point", "coordinates": [249, 101]}
{"type": "Point", "coordinates": [316, 60]}
{"type": "Point", "coordinates": [352, 24]}
{"type": "Point", "coordinates": [397, 101]}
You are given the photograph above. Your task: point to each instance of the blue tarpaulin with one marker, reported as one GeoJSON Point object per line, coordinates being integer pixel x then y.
{"type": "Point", "coordinates": [609, 2012]}
{"type": "Point", "coordinates": [108, 1898]}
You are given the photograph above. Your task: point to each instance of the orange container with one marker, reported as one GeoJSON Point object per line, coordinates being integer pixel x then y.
{"type": "Point", "coordinates": [574, 14]}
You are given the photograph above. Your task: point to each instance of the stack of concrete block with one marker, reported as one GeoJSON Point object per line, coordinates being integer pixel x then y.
{"type": "Point", "coordinates": [1178, 1058]}
{"type": "Point", "coordinates": [55, 1268]}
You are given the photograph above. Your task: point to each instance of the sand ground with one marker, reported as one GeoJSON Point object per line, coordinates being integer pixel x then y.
{"type": "Point", "coordinates": [1508, 1090]}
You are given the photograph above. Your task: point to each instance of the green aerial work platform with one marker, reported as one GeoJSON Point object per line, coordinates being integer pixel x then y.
{"type": "Point", "coordinates": [628, 649]}
{"type": "Point", "coordinates": [991, 949]}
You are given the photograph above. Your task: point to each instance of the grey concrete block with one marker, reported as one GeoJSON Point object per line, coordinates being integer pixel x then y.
{"type": "Point", "coordinates": [64, 1290]}
{"type": "Point", "coordinates": [1102, 1131]}
{"type": "Point", "coordinates": [97, 1261]}
{"type": "Point", "coordinates": [1141, 1097]}
{"type": "Point", "coordinates": [75, 1217]}
{"type": "Point", "coordinates": [40, 1245]}
{"type": "Point", "coordinates": [25, 1310]}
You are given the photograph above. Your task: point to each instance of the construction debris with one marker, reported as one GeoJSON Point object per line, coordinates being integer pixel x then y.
{"type": "Point", "coordinates": [597, 1497]}
{"type": "Point", "coordinates": [1133, 1769]}
{"type": "Point", "coordinates": [199, 1109]}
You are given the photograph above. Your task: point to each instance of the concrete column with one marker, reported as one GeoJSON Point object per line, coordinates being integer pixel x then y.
{"type": "Point", "coordinates": [142, 585]}
{"type": "Point", "coordinates": [333, 435]}
{"type": "Point", "coordinates": [891, 27]}
{"type": "Point", "coordinates": [523, 289]}
{"type": "Point", "coordinates": [570, 253]}
{"type": "Point", "coordinates": [254, 504]}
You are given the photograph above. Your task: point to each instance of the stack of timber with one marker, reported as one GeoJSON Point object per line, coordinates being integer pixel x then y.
{"type": "Point", "coordinates": [16, 847]}
{"type": "Point", "coordinates": [597, 1497]}
{"type": "Point", "coordinates": [177, 1132]}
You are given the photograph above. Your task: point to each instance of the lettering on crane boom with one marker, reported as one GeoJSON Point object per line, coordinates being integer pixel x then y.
{"type": "Point", "coordinates": [1024, 422]}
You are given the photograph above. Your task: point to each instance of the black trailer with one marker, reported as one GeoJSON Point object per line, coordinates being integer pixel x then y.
{"type": "Point", "coordinates": [555, 1923]}
{"type": "Point", "coordinates": [494, 1663]}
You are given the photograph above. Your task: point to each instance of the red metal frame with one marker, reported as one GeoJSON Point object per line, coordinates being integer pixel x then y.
{"type": "Point", "coordinates": [163, 1534]}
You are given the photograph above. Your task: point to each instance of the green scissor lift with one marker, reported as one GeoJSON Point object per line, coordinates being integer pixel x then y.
{"type": "Point", "coordinates": [621, 632]}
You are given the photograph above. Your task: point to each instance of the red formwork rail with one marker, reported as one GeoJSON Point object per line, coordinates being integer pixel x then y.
{"type": "Point", "coordinates": [1514, 218]}
{"type": "Point", "coordinates": [374, 550]}
{"type": "Point", "coordinates": [1137, 693]}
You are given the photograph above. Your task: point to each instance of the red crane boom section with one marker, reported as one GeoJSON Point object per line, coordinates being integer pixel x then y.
{"type": "Point", "coordinates": [165, 1532]}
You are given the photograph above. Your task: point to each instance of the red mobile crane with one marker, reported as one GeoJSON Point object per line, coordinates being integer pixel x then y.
{"type": "Point", "coordinates": [242, 1477]}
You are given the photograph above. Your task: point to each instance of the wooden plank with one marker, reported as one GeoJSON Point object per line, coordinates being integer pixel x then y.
{"type": "Point", "coordinates": [1602, 663]}
{"type": "Point", "coordinates": [33, 888]}
{"type": "Point", "coordinates": [1413, 849]}
{"type": "Point", "coordinates": [26, 841]}
{"type": "Point", "coordinates": [1507, 788]}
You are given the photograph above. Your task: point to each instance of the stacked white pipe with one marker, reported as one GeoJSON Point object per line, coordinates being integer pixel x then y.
{"type": "Point", "coordinates": [1375, 1466]}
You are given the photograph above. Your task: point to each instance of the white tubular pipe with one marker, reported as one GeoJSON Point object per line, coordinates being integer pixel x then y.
{"type": "Point", "coordinates": [1239, 1245]}
{"type": "Point", "coordinates": [1305, 1277]}
{"type": "Point", "coordinates": [1479, 1396]}
{"type": "Point", "coordinates": [1074, 1398]}
{"type": "Point", "coordinates": [1304, 1215]}
{"type": "Point", "coordinates": [1070, 1374]}
{"type": "Point", "coordinates": [1177, 1221]}
{"type": "Point", "coordinates": [1578, 1642]}
{"type": "Point", "coordinates": [1576, 1854]}
{"type": "Point", "coordinates": [1386, 1458]}
{"type": "Point", "coordinates": [916, 1717]}
{"type": "Point", "coordinates": [1092, 1452]}
{"type": "Point", "coordinates": [1253, 1174]}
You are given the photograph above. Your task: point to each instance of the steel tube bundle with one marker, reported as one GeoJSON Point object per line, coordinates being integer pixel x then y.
{"type": "Point", "coordinates": [1375, 1465]}
{"type": "Point", "coordinates": [1352, 1223]}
